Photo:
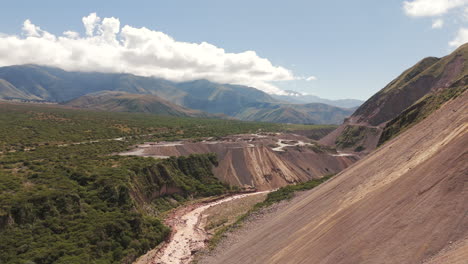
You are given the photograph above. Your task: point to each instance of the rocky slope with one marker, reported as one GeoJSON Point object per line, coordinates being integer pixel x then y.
{"type": "Point", "coordinates": [429, 76]}
{"type": "Point", "coordinates": [404, 203]}
{"type": "Point", "coordinates": [263, 162]}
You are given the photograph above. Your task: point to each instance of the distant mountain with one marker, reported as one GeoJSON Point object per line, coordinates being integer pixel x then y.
{"type": "Point", "coordinates": [126, 102]}
{"type": "Point", "coordinates": [56, 85]}
{"type": "Point", "coordinates": [299, 98]}
{"type": "Point", "coordinates": [221, 98]}
{"type": "Point", "coordinates": [296, 113]}
{"type": "Point", "coordinates": [33, 82]}
{"type": "Point", "coordinates": [405, 101]}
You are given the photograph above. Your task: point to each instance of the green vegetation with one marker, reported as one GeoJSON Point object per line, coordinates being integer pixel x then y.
{"type": "Point", "coordinates": [283, 193]}
{"type": "Point", "coordinates": [66, 198]}
{"type": "Point", "coordinates": [25, 126]}
{"type": "Point", "coordinates": [352, 136]}
{"type": "Point", "coordinates": [317, 148]}
{"type": "Point", "coordinates": [287, 192]}
{"type": "Point", "coordinates": [134, 103]}
{"type": "Point", "coordinates": [417, 112]}
{"type": "Point", "coordinates": [313, 113]}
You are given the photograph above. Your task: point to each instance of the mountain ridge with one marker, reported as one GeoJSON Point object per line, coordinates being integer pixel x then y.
{"type": "Point", "coordinates": [113, 101]}
{"type": "Point", "coordinates": [429, 76]}
{"type": "Point", "coordinates": [34, 82]}
{"type": "Point", "coordinates": [300, 98]}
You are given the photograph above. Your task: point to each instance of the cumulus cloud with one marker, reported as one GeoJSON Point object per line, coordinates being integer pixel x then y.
{"type": "Point", "coordinates": [30, 30]}
{"type": "Point", "coordinates": [438, 23]}
{"type": "Point", "coordinates": [71, 34]}
{"type": "Point", "coordinates": [461, 38]}
{"type": "Point", "coordinates": [424, 8]}
{"type": "Point", "coordinates": [108, 47]}
{"type": "Point", "coordinates": [90, 23]}
{"type": "Point", "coordinates": [311, 78]}
{"type": "Point", "coordinates": [440, 9]}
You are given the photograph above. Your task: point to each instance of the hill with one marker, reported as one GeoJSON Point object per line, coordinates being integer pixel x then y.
{"type": "Point", "coordinates": [404, 203]}
{"type": "Point", "coordinates": [295, 113]}
{"type": "Point", "coordinates": [39, 83]}
{"type": "Point", "coordinates": [429, 77]}
{"type": "Point", "coordinates": [139, 103]}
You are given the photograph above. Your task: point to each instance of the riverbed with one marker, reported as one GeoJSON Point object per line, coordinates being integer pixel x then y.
{"type": "Point", "coordinates": [188, 235]}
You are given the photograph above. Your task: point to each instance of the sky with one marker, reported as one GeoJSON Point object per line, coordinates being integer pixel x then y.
{"type": "Point", "coordinates": [333, 49]}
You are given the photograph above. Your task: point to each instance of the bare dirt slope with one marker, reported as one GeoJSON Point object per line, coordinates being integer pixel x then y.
{"type": "Point", "coordinates": [405, 203]}
{"type": "Point", "coordinates": [259, 161]}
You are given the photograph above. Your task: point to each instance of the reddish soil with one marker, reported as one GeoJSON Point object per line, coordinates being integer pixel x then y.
{"type": "Point", "coordinates": [407, 202]}
{"type": "Point", "coordinates": [251, 160]}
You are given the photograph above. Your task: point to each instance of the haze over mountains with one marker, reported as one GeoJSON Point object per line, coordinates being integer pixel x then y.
{"type": "Point", "coordinates": [300, 98]}
{"type": "Point", "coordinates": [33, 82]}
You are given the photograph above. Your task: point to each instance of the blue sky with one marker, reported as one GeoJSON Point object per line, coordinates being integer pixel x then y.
{"type": "Point", "coordinates": [353, 48]}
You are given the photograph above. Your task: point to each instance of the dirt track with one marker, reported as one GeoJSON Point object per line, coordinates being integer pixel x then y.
{"type": "Point", "coordinates": [405, 203]}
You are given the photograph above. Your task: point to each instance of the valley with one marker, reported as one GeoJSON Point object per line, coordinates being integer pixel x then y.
{"type": "Point", "coordinates": [246, 132]}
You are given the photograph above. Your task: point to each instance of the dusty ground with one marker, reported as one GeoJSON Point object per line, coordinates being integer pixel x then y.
{"type": "Point", "coordinates": [251, 223]}
{"type": "Point", "coordinates": [227, 213]}
{"type": "Point", "coordinates": [188, 228]}
{"type": "Point", "coordinates": [405, 203]}
{"type": "Point", "coordinates": [261, 161]}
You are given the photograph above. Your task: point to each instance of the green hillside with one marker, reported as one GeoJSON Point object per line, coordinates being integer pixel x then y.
{"type": "Point", "coordinates": [39, 83]}
{"type": "Point", "coordinates": [65, 197]}
{"type": "Point", "coordinates": [295, 113]}
{"type": "Point", "coordinates": [135, 103]}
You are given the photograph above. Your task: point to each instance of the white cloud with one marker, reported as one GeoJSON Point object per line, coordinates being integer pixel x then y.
{"type": "Point", "coordinates": [311, 78]}
{"type": "Point", "coordinates": [438, 23]}
{"type": "Point", "coordinates": [465, 14]}
{"type": "Point", "coordinates": [109, 48]}
{"type": "Point", "coordinates": [421, 8]}
{"type": "Point", "coordinates": [71, 34]}
{"type": "Point", "coordinates": [440, 9]}
{"type": "Point", "coordinates": [461, 38]}
{"type": "Point", "coordinates": [90, 23]}
{"type": "Point", "coordinates": [30, 30]}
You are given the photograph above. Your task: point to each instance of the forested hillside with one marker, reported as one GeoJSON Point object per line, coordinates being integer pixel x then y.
{"type": "Point", "coordinates": [66, 198]}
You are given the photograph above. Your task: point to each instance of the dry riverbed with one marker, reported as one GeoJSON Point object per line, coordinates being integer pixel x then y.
{"type": "Point", "coordinates": [192, 226]}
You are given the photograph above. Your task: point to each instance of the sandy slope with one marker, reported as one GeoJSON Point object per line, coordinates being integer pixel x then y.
{"type": "Point", "coordinates": [405, 203]}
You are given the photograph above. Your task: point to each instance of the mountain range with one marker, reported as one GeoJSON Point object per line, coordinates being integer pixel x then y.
{"type": "Point", "coordinates": [40, 83]}
{"type": "Point", "coordinates": [300, 98]}
{"type": "Point", "coordinates": [136, 103]}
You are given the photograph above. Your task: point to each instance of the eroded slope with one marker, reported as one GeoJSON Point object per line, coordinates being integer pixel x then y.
{"type": "Point", "coordinates": [404, 203]}
{"type": "Point", "coordinates": [256, 161]}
